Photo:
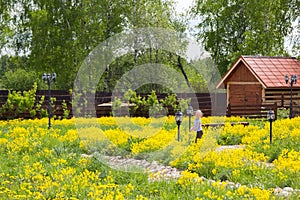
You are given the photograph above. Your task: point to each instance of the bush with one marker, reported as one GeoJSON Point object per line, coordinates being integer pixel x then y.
{"type": "Point", "coordinates": [151, 105]}
{"type": "Point", "coordinates": [19, 79]}
{"type": "Point", "coordinates": [19, 102]}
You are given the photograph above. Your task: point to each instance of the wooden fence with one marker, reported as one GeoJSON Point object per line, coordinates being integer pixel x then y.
{"type": "Point", "coordinates": [251, 111]}
{"type": "Point", "coordinates": [283, 100]}
{"type": "Point", "coordinates": [210, 104]}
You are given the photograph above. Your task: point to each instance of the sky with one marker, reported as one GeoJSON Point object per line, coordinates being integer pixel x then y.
{"type": "Point", "coordinates": [182, 5]}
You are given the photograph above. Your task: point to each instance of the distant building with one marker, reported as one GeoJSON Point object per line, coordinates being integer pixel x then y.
{"type": "Point", "coordinates": [253, 80]}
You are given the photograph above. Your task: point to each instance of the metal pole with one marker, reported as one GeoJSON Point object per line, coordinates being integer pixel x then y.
{"type": "Point", "coordinates": [49, 104]}
{"type": "Point", "coordinates": [291, 101]}
{"type": "Point", "coordinates": [178, 132]}
{"type": "Point", "coordinates": [270, 131]}
{"type": "Point", "coordinates": [189, 121]}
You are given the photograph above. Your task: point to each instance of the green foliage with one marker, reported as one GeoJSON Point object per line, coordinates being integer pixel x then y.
{"type": "Point", "coordinates": [12, 63]}
{"type": "Point", "coordinates": [41, 112]}
{"type": "Point", "coordinates": [19, 79]}
{"type": "Point", "coordinates": [283, 113]}
{"type": "Point", "coordinates": [116, 105]}
{"type": "Point", "coordinates": [277, 146]}
{"type": "Point", "coordinates": [70, 30]}
{"type": "Point", "coordinates": [152, 105]}
{"type": "Point", "coordinates": [53, 108]}
{"type": "Point", "coordinates": [129, 95]}
{"type": "Point", "coordinates": [229, 29]}
{"type": "Point", "coordinates": [170, 101]}
{"type": "Point", "coordinates": [19, 102]}
{"type": "Point", "coordinates": [183, 104]}
{"type": "Point", "coordinates": [66, 111]}
{"type": "Point", "coordinates": [206, 169]}
{"type": "Point", "coordinates": [230, 139]}
{"type": "Point", "coordinates": [132, 140]}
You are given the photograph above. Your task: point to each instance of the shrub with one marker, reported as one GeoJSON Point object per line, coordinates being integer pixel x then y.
{"type": "Point", "coordinates": [66, 111]}
{"type": "Point", "coordinates": [19, 80]}
{"type": "Point", "coordinates": [150, 105]}
{"type": "Point", "coordinates": [19, 102]}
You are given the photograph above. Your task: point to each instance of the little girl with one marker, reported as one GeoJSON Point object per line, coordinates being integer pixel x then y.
{"type": "Point", "coordinates": [197, 125]}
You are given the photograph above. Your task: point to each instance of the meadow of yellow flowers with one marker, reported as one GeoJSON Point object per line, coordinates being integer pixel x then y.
{"type": "Point", "coordinates": [37, 163]}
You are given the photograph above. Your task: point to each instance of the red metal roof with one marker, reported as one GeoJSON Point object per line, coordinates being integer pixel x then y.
{"type": "Point", "coordinates": [269, 71]}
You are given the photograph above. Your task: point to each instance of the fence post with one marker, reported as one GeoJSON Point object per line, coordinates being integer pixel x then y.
{"type": "Point", "coordinates": [275, 109]}
{"type": "Point", "coordinates": [229, 110]}
{"type": "Point", "coordinates": [282, 100]}
{"type": "Point", "coordinates": [213, 107]}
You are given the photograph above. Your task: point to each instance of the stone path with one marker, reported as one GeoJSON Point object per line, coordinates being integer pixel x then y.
{"type": "Point", "coordinates": [158, 172]}
{"type": "Point", "coordinates": [221, 148]}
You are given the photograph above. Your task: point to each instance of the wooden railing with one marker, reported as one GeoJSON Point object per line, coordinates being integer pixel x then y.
{"type": "Point", "coordinates": [223, 124]}
{"type": "Point", "coordinates": [251, 111]}
{"type": "Point", "coordinates": [282, 98]}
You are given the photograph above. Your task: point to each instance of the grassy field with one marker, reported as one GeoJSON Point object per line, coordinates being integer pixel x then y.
{"type": "Point", "coordinates": [38, 163]}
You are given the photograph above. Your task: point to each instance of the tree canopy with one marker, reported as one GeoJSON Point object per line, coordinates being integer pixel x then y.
{"type": "Point", "coordinates": [56, 36]}
{"type": "Point", "coordinates": [230, 28]}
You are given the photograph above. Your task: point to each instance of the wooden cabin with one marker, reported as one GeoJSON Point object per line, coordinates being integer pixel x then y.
{"type": "Point", "coordinates": [254, 80]}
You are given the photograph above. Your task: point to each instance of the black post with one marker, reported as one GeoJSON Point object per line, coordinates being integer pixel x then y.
{"type": "Point", "coordinates": [178, 119]}
{"type": "Point", "coordinates": [291, 101]}
{"type": "Point", "coordinates": [189, 121]}
{"type": "Point", "coordinates": [49, 103]}
{"type": "Point", "coordinates": [48, 78]}
{"type": "Point", "coordinates": [178, 132]}
{"type": "Point", "coordinates": [271, 131]}
{"type": "Point", "coordinates": [271, 117]}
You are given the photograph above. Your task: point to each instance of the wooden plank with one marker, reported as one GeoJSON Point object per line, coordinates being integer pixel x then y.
{"type": "Point", "coordinates": [251, 110]}
{"type": "Point", "coordinates": [205, 101]}
{"type": "Point", "coordinates": [223, 124]}
{"type": "Point", "coordinates": [241, 73]}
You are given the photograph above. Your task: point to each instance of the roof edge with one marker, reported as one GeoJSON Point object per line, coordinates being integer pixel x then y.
{"type": "Point", "coordinates": [258, 56]}
{"type": "Point", "coordinates": [228, 72]}
{"type": "Point", "coordinates": [241, 58]}
{"type": "Point", "coordinates": [253, 72]}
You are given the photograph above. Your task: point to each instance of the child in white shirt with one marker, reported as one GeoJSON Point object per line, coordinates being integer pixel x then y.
{"type": "Point", "coordinates": [198, 125]}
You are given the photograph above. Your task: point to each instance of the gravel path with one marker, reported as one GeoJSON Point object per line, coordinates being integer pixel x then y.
{"type": "Point", "coordinates": [158, 172]}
